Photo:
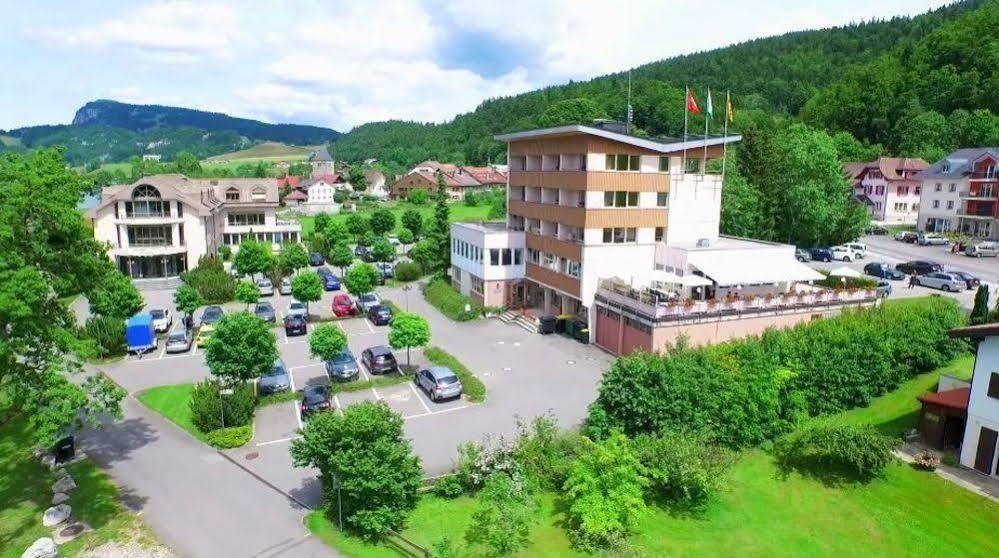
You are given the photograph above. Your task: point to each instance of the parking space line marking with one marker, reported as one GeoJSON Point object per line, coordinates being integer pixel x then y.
{"type": "Point", "coordinates": [407, 417]}
{"type": "Point", "coordinates": [364, 369]}
{"type": "Point", "coordinates": [298, 413]}
{"type": "Point", "coordinates": [195, 350]}
{"type": "Point", "coordinates": [417, 394]}
{"type": "Point", "coordinates": [305, 366]}
{"type": "Point", "coordinates": [278, 441]}
{"type": "Point", "coordinates": [375, 391]}
{"type": "Point", "coordinates": [339, 408]}
{"type": "Point", "coordinates": [163, 352]}
{"type": "Point", "coordinates": [368, 323]}
{"type": "Point", "coordinates": [440, 412]}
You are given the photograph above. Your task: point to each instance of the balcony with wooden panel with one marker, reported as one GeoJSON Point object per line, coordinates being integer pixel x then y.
{"type": "Point", "coordinates": [553, 279]}
{"type": "Point", "coordinates": [592, 180]}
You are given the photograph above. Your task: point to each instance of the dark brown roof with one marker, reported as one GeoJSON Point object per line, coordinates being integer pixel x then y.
{"type": "Point", "coordinates": [983, 330]}
{"type": "Point", "coordinates": [952, 398]}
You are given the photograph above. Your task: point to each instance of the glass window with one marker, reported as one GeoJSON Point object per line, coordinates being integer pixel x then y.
{"type": "Point", "coordinates": [622, 162]}
{"type": "Point", "coordinates": [608, 234]}
{"type": "Point", "coordinates": [632, 199]}
{"type": "Point", "coordinates": [494, 256]}
{"type": "Point", "coordinates": [693, 165]}
{"type": "Point", "coordinates": [660, 233]}
{"type": "Point", "coordinates": [663, 164]}
{"type": "Point", "coordinates": [662, 199]}
{"type": "Point", "coordinates": [630, 234]}
{"type": "Point", "coordinates": [609, 165]}
{"type": "Point", "coordinates": [507, 257]}
{"type": "Point", "coordinates": [619, 235]}
{"type": "Point", "coordinates": [232, 194]}
{"type": "Point", "coordinates": [608, 199]}
{"type": "Point", "coordinates": [635, 163]}
{"type": "Point", "coordinates": [620, 199]}
{"type": "Point", "coordinates": [518, 256]}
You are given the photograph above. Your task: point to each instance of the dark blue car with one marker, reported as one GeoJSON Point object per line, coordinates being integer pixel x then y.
{"type": "Point", "coordinates": [883, 271]}
{"type": "Point", "coordinates": [330, 282]}
{"type": "Point", "coordinates": [821, 254]}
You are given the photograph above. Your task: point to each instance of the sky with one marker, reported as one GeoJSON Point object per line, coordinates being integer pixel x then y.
{"type": "Point", "coordinates": [343, 63]}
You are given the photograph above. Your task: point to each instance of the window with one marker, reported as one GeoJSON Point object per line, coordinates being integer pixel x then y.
{"type": "Point", "coordinates": [477, 284]}
{"type": "Point", "coordinates": [938, 187]}
{"type": "Point", "coordinates": [549, 260]}
{"type": "Point", "coordinates": [245, 219]}
{"type": "Point", "coordinates": [494, 256]}
{"type": "Point", "coordinates": [994, 385]}
{"type": "Point", "coordinates": [936, 204]}
{"type": "Point", "coordinates": [664, 164]}
{"type": "Point", "coordinates": [518, 256]}
{"type": "Point", "coordinates": [623, 162]}
{"type": "Point", "coordinates": [950, 204]}
{"type": "Point", "coordinates": [570, 268]}
{"type": "Point", "coordinates": [456, 273]}
{"type": "Point", "coordinates": [620, 199]}
{"type": "Point", "coordinates": [149, 235]}
{"type": "Point", "coordinates": [917, 190]}
{"type": "Point", "coordinates": [258, 194]}
{"type": "Point", "coordinates": [507, 257]}
{"type": "Point", "coordinates": [145, 192]}
{"type": "Point", "coordinates": [232, 194]}
{"type": "Point", "coordinates": [619, 235]}
{"type": "Point", "coordinates": [953, 187]}
{"type": "Point", "coordinates": [692, 166]}
{"type": "Point", "coordinates": [180, 209]}
{"type": "Point", "coordinates": [533, 256]}
{"type": "Point", "coordinates": [662, 199]}
{"type": "Point", "coordinates": [180, 230]}
{"type": "Point", "coordinates": [660, 233]}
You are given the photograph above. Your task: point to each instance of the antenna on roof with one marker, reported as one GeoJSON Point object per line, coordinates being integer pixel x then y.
{"type": "Point", "coordinates": [627, 126]}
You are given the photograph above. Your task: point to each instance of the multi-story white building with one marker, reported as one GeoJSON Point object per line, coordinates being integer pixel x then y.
{"type": "Point", "coordinates": [961, 192]}
{"type": "Point", "coordinates": [485, 259]}
{"type": "Point", "coordinates": [980, 445]}
{"type": "Point", "coordinates": [162, 225]}
{"type": "Point", "coordinates": [891, 189]}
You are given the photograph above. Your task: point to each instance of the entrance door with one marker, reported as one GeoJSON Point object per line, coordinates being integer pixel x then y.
{"type": "Point", "coordinates": [986, 450]}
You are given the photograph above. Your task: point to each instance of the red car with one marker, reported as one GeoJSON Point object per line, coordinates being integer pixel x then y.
{"type": "Point", "coordinates": [343, 305]}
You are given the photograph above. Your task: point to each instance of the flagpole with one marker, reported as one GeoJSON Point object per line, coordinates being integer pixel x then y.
{"type": "Point", "coordinates": [708, 113]}
{"type": "Point", "coordinates": [728, 103]}
{"type": "Point", "coordinates": [686, 95]}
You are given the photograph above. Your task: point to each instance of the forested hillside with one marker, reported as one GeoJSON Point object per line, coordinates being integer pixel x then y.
{"type": "Point", "coordinates": [942, 60]}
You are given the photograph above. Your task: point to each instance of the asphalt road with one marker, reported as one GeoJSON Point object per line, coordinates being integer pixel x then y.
{"type": "Point", "coordinates": [887, 248]}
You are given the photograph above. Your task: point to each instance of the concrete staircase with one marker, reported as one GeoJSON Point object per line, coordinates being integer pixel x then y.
{"type": "Point", "coordinates": [507, 316]}
{"type": "Point", "coordinates": [518, 319]}
{"type": "Point", "coordinates": [157, 284]}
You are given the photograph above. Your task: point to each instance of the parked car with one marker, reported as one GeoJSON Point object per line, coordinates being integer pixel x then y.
{"type": "Point", "coordinates": [297, 308]}
{"type": "Point", "coordinates": [274, 380]}
{"type": "Point", "coordinates": [367, 300]}
{"type": "Point", "coordinates": [877, 230]}
{"type": "Point", "coordinates": [361, 251]}
{"type": "Point", "coordinates": [858, 248]}
{"type": "Point", "coordinates": [295, 325]}
{"type": "Point", "coordinates": [266, 287]}
{"type": "Point", "coordinates": [439, 382]}
{"type": "Point", "coordinates": [942, 281]}
{"type": "Point", "coordinates": [343, 367]}
{"type": "Point", "coordinates": [379, 360]}
{"type": "Point", "coordinates": [970, 280]}
{"type": "Point", "coordinates": [343, 305]}
{"type": "Point", "coordinates": [265, 312]}
{"type": "Point", "coordinates": [315, 399]}
{"type": "Point", "coordinates": [204, 334]}
{"type": "Point", "coordinates": [919, 267]}
{"type": "Point", "coordinates": [179, 342]}
{"type": "Point", "coordinates": [906, 236]}
{"type": "Point", "coordinates": [162, 320]}
{"type": "Point", "coordinates": [386, 269]}
{"type": "Point", "coordinates": [983, 249]}
{"type": "Point", "coordinates": [380, 315]}
{"type": "Point", "coordinates": [930, 239]}
{"type": "Point", "coordinates": [802, 255]}
{"type": "Point", "coordinates": [843, 253]}
{"type": "Point", "coordinates": [883, 270]}
{"type": "Point", "coordinates": [316, 259]}
{"type": "Point", "coordinates": [884, 289]}
{"type": "Point", "coordinates": [821, 254]}
{"type": "Point", "coordinates": [285, 288]}
{"type": "Point", "coordinates": [211, 315]}
{"type": "Point", "coordinates": [330, 282]}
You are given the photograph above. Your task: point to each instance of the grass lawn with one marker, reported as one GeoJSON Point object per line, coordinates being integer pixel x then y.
{"type": "Point", "coordinates": [268, 150]}
{"type": "Point", "coordinates": [25, 493]}
{"type": "Point", "coordinates": [764, 513]}
{"type": "Point", "coordinates": [459, 213]}
{"type": "Point", "coordinates": [173, 402]}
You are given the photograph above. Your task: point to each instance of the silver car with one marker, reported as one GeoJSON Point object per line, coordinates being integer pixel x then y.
{"type": "Point", "coordinates": [162, 320]}
{"type": "Point", "coordinates": [929, 239]}
{"type": "Point", "coordinates": [943, 281]}
{"type": "Point", "coordinates": [265, 312]}
{"type": "Point", "coordinates": [179, 342]}
{"type": "Point", "coordinates": [439, 382]}
{"type": "Point", "coordinates": [343, 367]}
{"type": "Point", "coordinates": [266, 287]}
{"type": "Point", "coordinates": [297, 308]}
{"type": "Point", "coordinates": [983, 249]}
{"type": "Point", "coordinates": [367, 301]}
{"type": "Point", "coordinates": [285, 288]}
{"type": "Point", "coordinates": [274, 380]}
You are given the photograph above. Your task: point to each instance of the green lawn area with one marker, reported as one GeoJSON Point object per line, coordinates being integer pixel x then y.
{"type": "Point", "coordinates": [764, 513]}
{"type": "Point", "coordinates": [268, 150]}
{"type": "Point", "coordinates": [459, 213]}
{"type": "Point", "coordinates": [25, 493]}
{"type": "Point", "coordinates": [173, 403]}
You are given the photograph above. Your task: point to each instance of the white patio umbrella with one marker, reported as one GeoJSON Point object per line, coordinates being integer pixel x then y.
{"type": "Point", "coordinates": [845, 272]}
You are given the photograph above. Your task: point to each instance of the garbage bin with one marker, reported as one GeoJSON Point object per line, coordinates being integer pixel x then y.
{"type": "Point", "coordinates": [561, 322]}
{"type": "Point", "coordinates": [581, 331]}
{"type": "Point", "coordinates": [546, 325]}
{"type": "Point", "coordinates": [569, 327]}
{"type": "Point", "coordinates": [64, 449]}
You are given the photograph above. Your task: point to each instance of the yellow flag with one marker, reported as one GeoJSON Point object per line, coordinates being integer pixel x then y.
{"type": "Point", "coordinates": [728, 109]}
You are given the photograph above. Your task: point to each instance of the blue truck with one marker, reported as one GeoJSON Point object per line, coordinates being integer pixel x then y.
{"type": "Point", "coordinates": [139, 334]}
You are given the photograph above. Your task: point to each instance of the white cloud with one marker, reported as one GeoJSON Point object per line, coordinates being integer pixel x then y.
{"type": "Point", "coordinates": [168, 32]}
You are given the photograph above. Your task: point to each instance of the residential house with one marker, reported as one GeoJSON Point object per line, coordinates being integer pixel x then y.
{"type": "Point", "coordinates": [161, 225]}
{"type": "Point", "coordinates": [457, 179]}
{"type": "Point", "coordinates": [376, 183]}
{"type": "Point", "coordinates": [961, 193]}
{"type": "Point", "coordinates": [889, 187]}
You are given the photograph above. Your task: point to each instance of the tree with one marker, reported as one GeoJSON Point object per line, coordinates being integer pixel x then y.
{"type": "Point", "coordinates": [321, 221]}
{"type": "Point", "coordinates": [382, 222]}
{"type": "Point", "coordinates": [418, 197]}
{"type": "Point", "coordinates": [408, 330]}
{"type": "Point", "coordinates": [247, 292]}
{"type": "Point", "coordinates": [115, 297]}
{"type": "Point", "coordinates": [440, 234]}
{"type": "Point", "coordinates": [327, 341]}
{"type": "Point", "coordinates": [341, 256]}
{"type": "Point", "coordinates": [252, 258]}
{"type": "Point", "coordinates": [504, 512]}
{"type": "Point", "coordinates": [307, 287]}
{"type": "Point", "coordinates": [850, 149]}
{"type": "Point", "coordinates": [980, 310]}
{"type": "Point", "coordinates": [424, 253]}
{"type": "Point", "coordinates": [241, 348]}
{"type": "Point", "coordinates": [357, 224]}
{"type": "Point", "coordinates": [358, 182]}
{"type": "Point", "coordinates": [406, 237]}
{"type": "Point", "coordinates": [319, 243]}
{"type": "Point", "coordinates": [361, 279]}
{"type": "Point", "coordinates": [187, 164]}
{"type": "Point", "coordinates": [366, 239]}
{"type": "Point", "coordinates": [338, 232]}
{"type": "Point", "coordinates": [382, 250]}
{"type": "Point", "coordinates": [367, 467]}
{"type": "Point", "coordinates": [923, 134]}
{"type": "Point", "coordinates": [187, 299]}
{"type": "Point", "coordinates": [605, 488]}
{"type": "Point", "coordinates": [577, 110]}
{"type": "Point", "coordinates": [293, 257]}
{"type": "Point", "coordinates": [413, 220]}
{"type": "Point", "coordinates": [301, 168]}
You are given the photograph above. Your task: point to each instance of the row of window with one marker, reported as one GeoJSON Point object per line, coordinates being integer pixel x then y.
{"type": "Point", "coordinates": [477, 285]}
{"type": "Point", "coordinates": [497, 256]}
{"type": "Point", "coordinates": [234, 239]}
{"type": "Point", "coordinates": [936, 204]}
{"type": "Point", "coordinates": [879, 190]}
{"type": "Point", "coordinates": [245, 219]}
{"type": "Point", "coordinates": [564, 266]}
{"type": "Point", "coordinates": [258, 194]}
{"type": "Point", "coordinates": [148, 208]}
{"type": "Point", "coordinates": [151, 235]}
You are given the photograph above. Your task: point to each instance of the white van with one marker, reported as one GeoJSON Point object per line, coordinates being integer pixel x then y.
{"type": "Point", "coordinates": [981, 249]}
{"type": "Point", "coordinates": [859, 248]}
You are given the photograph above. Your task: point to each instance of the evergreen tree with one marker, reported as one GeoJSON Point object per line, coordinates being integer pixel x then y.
{"type": "Point", "coordinates": [980, 310]}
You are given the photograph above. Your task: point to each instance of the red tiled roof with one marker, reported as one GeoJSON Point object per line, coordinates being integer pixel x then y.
{"type": "Point", "coordinates": [297, 195]}
{"type": "Point", "coordinates": [485, 175]}
{"type": "Point", "coordinates": [289, 180]}
{"type": "Point", "coordinates": [952, 398]}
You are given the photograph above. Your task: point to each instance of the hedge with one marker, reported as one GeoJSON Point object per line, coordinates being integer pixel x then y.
{"type": "Point", "coordinates": [211, 280]}
{"type": "Point", "coordinates": [450, 302]}
{"type": "Point", "coordinates": [473, 387]}
{"type": "Point", "coordinates": [748, 391]}
{"type": "Point", "coordinates": [834, 281]}
{"type": "Point", "coordinates": [230, 436]}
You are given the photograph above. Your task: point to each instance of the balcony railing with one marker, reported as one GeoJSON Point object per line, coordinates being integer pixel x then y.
{"type": "Point", "coordinates": [986, 194]}
{"type": "Point", "coordinates": [984, 213]}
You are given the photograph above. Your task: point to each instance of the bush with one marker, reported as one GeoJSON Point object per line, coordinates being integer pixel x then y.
{"type": "Point", "coordinates": [449, 487]}
{"type": "Point", "coordinates": [225, 252]}
{"type": "Point", "coordinates": [837, 452]}
{"type": "Point", "coordinates": [209, 407]}
{"type": "Point", "coordinates": [408, 271]}
{"type": "Point", "coordinates": [747, 391]}
{"type": "Point", "coordinates": [108, 334]}
{"type": "Point", "coordinates": [471, 385]}
{"type": "Point", "coordinates": [504, 511]}
{"type": "Point", "coordinates": [418, 197]}
{"type": "Point", "coordinates": [476, 461]}
{"type": "Point", "coordinates": [230, 437]}
{"type": "Point", "coordinates": [833, 282]}
{"type": "Point", "coordinates": [450, 302]}
{"type": "Point", "coordinates": [682, 468]}
{"type": "Point", "coordinates": [211, 280]}
{"type": "Point", "coordinates": [545, 452]}
{"type": "Point", "coordinates": [472, 198]}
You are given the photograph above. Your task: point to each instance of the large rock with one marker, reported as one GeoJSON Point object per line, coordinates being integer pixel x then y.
{"type": "Point", "coordinates": [49, 461]}
{"type": "Point", "coordinates": [64, 484]}
{"type": "Point", "coordinates": [61, 472]}
{"type": "Point", "coordinates": [59, 498]}
{"type": "Point", "coordinates": [56, 515]}
{"type": "Point", "coordinates": [42, 548]}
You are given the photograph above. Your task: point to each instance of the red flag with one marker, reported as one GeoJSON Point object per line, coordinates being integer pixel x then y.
{"type": "Point", "coordinates": [692, 107]}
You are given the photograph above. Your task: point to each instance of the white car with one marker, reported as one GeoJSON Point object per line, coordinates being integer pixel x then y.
{"type": "Point", "coordinates": [844, 253]}
{"type": "Point", "coordinates": [265, 286]}
{"type": "Point", "coordinates": [929, 239]}
{"type": "Point", "coordinates": [285, 288]}
{"type": "Point", "coordinates": [297, 308]}
{"type": "Point", "coordinates": [859, 248]}
{"type": "Point", "coordinates": [367, 301]}
{"type": "Point", "coordinates": [162, 320]}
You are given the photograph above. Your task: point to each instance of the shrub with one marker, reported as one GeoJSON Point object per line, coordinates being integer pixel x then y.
{"type": "Point", "coordinates": [545, 452]}
{"type": "Point", "coordinates": [209, 407]}
{"type": "Point", "coordinates": [230, 437]}
{"type": "Point", "coordinates": [476, 461]}
{"type": "Point", "coordinates": [682, 467]}
{"type": "Point", "coordinates": [833, 282]}
{"type": "Point", "coordinates": [408, 271]}
{"type": "Point", "coordinates": [747, 391]}
{"type": "Point", "coordinates": [472, 198]}
{"type": "Point", "coordinates": [450, 302]}
{"type": "Point", "coordinates": [837, 452]}
{"type": "Point", "coordinates": [225, 252]}
{"type": "Point", "coordinates": [108, 334]}
{"type": "Point", "coordinates": [504, 511]}
{"type": "Point", "coordinates": [449, 487]}
{"type": "Point", "coordinates": [471, 385]}
{"type": "Point", "coordinates": [210, 279]}
{"type": "Point", "coordinates": [418, 197]}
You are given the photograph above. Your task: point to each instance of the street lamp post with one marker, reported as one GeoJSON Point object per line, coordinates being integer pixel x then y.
{"type": "Point", "coordinates": [339, 502]}
{"type": "Point", "coordinates": [406, 289]}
